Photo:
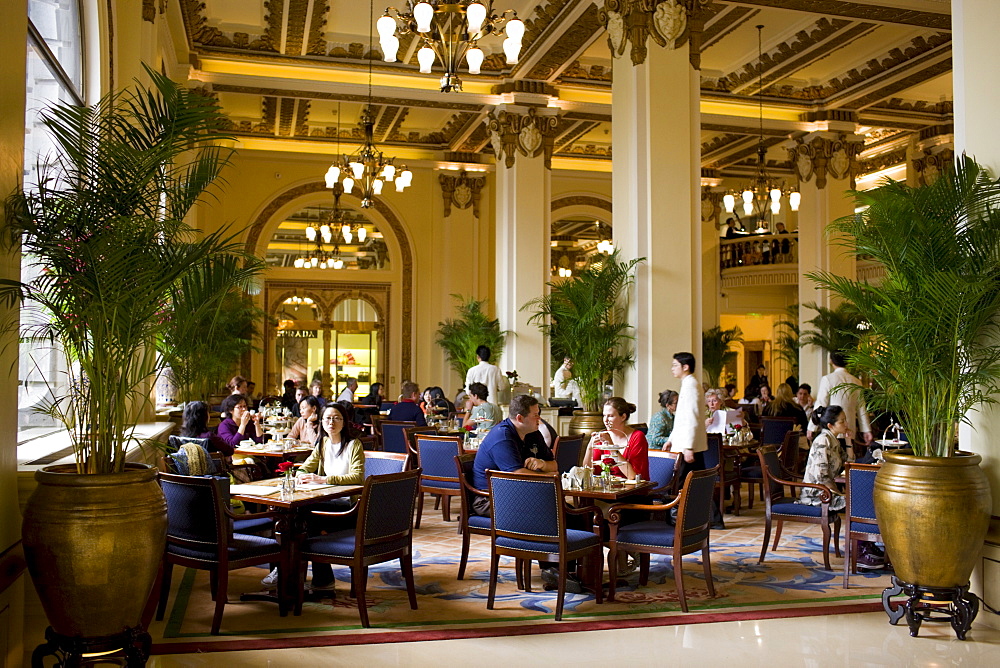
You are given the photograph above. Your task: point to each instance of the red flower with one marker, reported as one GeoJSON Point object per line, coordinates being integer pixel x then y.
{"type": "Point", "coordinates": [285, 467]}
{"type": "Point", "coordinates": [469, 427]}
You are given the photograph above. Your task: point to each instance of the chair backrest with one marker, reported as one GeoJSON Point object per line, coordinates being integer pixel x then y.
{"type": "Point", "coordinates": [382, 463]}
{"type": "Point", "coordinates": [527, 506]}
{"type": "Point", "coordinates": [788, 453]}
{"type": "Point", "coordinates": [662, 466]}
{"type": "Point", "coordinates": [201, 458]}
{"type": "Point", "coordinates": [464, 467]}
{"type": "Point", "coordinates": [393, 438]}
{"type": "Point", "coordinates": [861, 492]}
{"type": "Point", "coordinates": [694, 511]}
{"type": "Point", "coordinates": [194, 510]}
{"type": "Point", "coordinates": [385, 514]}
{"type": "Point", "coordinates": [174, 443]}
{"type": "Point", "coordinates": [770, 467]}
{"type": "Point", "coordinates": [376, 421]}
{"type": "Point", "coordinates": [410, 434]}
{"type": "Point", "coordinates": [713, 455]}
{"type": "Point", "coordinates": [569, 451]}
{"type": "Point", "coordinates": [436, 456]}
{"type": "Point", "coordinates": [641, 426]}
{"type": "Point", "coordinates": [773, 429]}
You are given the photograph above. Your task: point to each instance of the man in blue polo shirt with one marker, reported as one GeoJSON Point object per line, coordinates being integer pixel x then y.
{"type": "Point", "coordinates": [505, 448]}
{"type": "Point", "coordinates": [406, 409]}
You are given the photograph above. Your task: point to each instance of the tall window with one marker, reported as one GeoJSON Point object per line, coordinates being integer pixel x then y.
{"type": "Point", "coordinates": [55, 67]}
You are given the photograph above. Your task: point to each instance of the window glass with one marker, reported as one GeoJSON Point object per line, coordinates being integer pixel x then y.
{"type": "Point", "coordinates": [58, 23]}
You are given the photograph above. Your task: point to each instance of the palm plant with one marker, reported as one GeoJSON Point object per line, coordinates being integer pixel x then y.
{"type": "Point", "coordinates": [716, 353]}
{"type": "Point", "coordinates": [787, 339]}
{"type": "Point", "coordinates": [104, 227]}
{"type": "Point", "coordinates": [933, 319]}
{"type": "Point", "coordinates": [585, 318]}
{"type": "Point", "coordinates": [833, 329]}
{"type": "Point", "coordinates": [459, 337]}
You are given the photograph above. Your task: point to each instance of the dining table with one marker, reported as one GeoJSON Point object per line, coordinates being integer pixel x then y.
{"type": "Point", "coordinates": [274, 449]}
{"type": "Point", "coordinates": [290, 531]}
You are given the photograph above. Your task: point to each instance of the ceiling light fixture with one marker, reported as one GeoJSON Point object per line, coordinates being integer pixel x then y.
{"type": "Point", "coordinates": [762, 196]}
{"type": "Point", "coordinates": [450, 30]}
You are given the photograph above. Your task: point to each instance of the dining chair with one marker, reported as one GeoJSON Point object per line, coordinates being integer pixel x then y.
{"type": "Point", "coordinates": [860, 513]}
{"type": "Point", "coordinates": [689, 533]}
{"type": "Point", "coordinates": [773, 429]}
{"type": "Point", "coordinates": [726, 477]}
{"type": "Point", "coordinates": [469, 523]}
{"type": "Point", "coordinates": [201, 535]}
{"type": "Point", "coordinates": [640, 426]}
{"type": "Point", "coordinates": [376, 425]}
{"type": "Point", "coordinates": [384, 532]}
{"type": "Point", "coordinates": [393, 438]}
{"type": "Point", "coordinates": [779, 508]}
{"type": "Point", "coordinates": [529, 522]}
{"type": "Point", "coordinates": [381, 463]}
{"type": "Point", "coordinates": [662, 466]}
{"type": "Point", "coordinates": [436, 458]}
{"type": "Point", "coordinates": [410, 436]}
{"type": "Point", "coordinates": [569, 452]}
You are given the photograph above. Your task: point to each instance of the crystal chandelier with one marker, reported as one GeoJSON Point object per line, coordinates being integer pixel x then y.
{"type": "Point", "coordinates": [762, 196]}
{"type": "Point", "coordinates": [450, 30]}
{"type": "Point", "coordinates": [323, 234]}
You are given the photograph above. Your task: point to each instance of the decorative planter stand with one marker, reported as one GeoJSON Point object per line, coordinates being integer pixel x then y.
{"type": "Point", "coordinates": [932, 604]}
{"type": "Point", "coordinates": [131, 645]}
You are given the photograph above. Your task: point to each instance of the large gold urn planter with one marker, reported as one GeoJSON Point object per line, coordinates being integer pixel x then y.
{"type": "Point", "coordinates": [933, 513]}
{"type": "Point", "coordinates": [93, 545]}
{"type": "Point", "coordinates": [585, 422]}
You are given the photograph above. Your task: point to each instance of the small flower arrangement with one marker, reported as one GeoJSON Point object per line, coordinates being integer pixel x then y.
{"type": "Point", "coordinates": [287, 468]}
{"type": "Point", "coordinates": [469, 427]}
{"type": "Point", "coordinates": [512, 378]}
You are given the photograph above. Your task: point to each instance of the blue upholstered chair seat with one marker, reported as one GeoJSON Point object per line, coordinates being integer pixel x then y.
{"type": "Point", "coordinates": [243, 546]}
{"type": "Point", "coordinates": [342, 544]}
{"type": "Point", "coordinates": [789, 507]}
{"type": "Point", "coordinates": [575, 540]}
{"type": "Point", "coordinates": [653, 533]}
{"type": "Point", "coordinates": [441, 484]}
{"type": "Point", "coordinates": [261, 525]}
{"type": "Point", "coordinates": [480, 522]}
{"type": "Point", "coordinates": [864, 527]}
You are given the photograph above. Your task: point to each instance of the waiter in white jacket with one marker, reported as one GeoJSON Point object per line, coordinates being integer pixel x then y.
{"type": "Point", "coordinates": [847, 398]}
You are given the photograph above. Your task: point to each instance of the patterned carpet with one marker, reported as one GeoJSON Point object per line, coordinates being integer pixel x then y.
{"type": "Point", "coordinates": [791, 582]}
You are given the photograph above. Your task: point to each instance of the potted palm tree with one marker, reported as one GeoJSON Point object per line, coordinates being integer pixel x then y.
{"type": "Point", "coordinates": [585, 318]}
{"type": "Point", "coordinates": [104, 231]}
{"type": "Point", "coordinates": [716, 352]}
{"type": "Point", "coordinates": [930, 348]}
{"type": "Point", "coordinates": [472, 327]}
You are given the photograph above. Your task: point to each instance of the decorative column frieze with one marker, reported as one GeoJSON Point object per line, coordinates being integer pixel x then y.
{"type": "Point", "coordinates": [461, 191]}
{"type": "Point", "coordinates": [633, 22]}
{"type": "Point", "coordinates": [711, 206]}
{"type": "Point", "coordinates": [933, 154]}
{"type": "Point", "coordinates": [528, 131]}
{"type": "Point", "coordinates": [823, 155]}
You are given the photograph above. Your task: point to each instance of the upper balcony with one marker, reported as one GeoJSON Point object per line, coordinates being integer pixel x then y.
{"type": "Point", "coordinates": [759, 260]}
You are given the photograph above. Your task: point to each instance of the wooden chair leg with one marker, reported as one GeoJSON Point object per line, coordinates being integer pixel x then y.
{"type": "Point", "coordinates": [213, 583]}
{"type": "Point", "coordinates": [525, 574]}
{"type": "Point", "coordinates": [222, 580]}
{"type": "Point", "coordinates": [826, 545]}
{"type": "Point", "coordinates": [519, 574]}
{"type": "Point", "coordinates": [494, 566]}
{"type": "Point", "coordinates": [437, 501]}
{"type": "Point", "coordinates": [836, 536]}
{"type": "Point", "coordinates": [613, 570]}
{"type": "Point", "coordinates": [420, 509]}
{"type": "Point", "coordinates": [406, 563]}
{"type": "Point", "coordinates": [777, 535]}
{"type": "Point", "coordinates": [446, 507]}
{"type": "Point", "coordinates": [767, 538]}
{"type": "Point", "coordinates": [848, 561]}
{"type": "Point", "coordinates": [161, 607]}
{"type": "Point", "coordinates": [679, 579]}
{"type": "Point", "coordinates": [465, 552]}
{"type": "Point", "coordinates": [644, 559]}
{"type": "Point", "coordinates": [706, 561]}
{"type": "Point", "coordinates": [360, 575]}
{"type": "Point", "coordinates": [598, 574]}
{"type": "Point", "coordinates": [561, 590]}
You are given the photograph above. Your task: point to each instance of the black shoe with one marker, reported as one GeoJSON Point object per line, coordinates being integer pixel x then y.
{"type": "Point", "coordinates": [550, 580]}
{"type": "Point", "coordinates": [719, 526]}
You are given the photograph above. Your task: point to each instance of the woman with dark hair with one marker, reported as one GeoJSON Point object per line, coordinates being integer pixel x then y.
{"type": "Point", "coordinates": [617, 435]}
{"type": "Point", "coordinates": [374, 397]}
{"type": "Point", "coordinates": [237, 385]}
{"type": "Point", "coordinates": [439, 402]}
{"type": "Point", "coordinates": [240, 424]}
{"type": "Point", "coordinates": [784, 405]}
{"type": "Point", "coordinates": [763, 398]}
{"type": "Point", "coordinates": [195, 425]}
{"type": "Point", "coordinates": [662, 423]}
{"type": "Point", "coordinates": [306, 428]}
{"type": "Point", "coordinates": [825, 461]}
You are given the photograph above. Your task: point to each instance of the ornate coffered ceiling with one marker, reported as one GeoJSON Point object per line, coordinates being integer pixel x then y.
{"type": "Point", "coordinates": [291, 72]}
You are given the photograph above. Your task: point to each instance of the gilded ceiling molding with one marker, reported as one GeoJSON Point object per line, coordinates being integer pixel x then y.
{"type": "Point", "coordinates": [580, 200]}
{"type": "Point", "coordinates": [856, 10]}
{"type": "Point", "coordinates": [316, 45]}
{"type": "Point", "coordinates": [568, 43]}
{"type": "Point", "coordinates": [882, 161]}
{"type": "Point", "coordinates": [668, 22]}
{"type": "Point", "coordinates": [529, 134]}
{"type": "Point", "coordinates": [931, 163]}
{"type": "Point", "coordinates": [149, 10]}
{"type": "Point", "coordinates": [461, 191]}
{"type": "Point", "coordinates": [823, 156]}
{"type": "Point", "coordinates": [285, 116]}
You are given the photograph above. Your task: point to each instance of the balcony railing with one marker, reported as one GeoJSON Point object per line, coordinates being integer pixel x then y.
{"type": "Point", "coordinates": [759, 249]}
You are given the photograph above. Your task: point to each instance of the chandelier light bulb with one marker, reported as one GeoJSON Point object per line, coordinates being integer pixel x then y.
{"type": "Point", "coordinates": [389, 172]}
{"type": "Point", "coordinates": [793, 200]}
{"type": "Point", "coordinates": [377, 186]}
{"type": "Point", "coordinates": [358, 169]}
{"type": "Point", "coordinates": [314, 262]}
{"type": "Point", "coordinates": [729, 202]}
{"type": "Point", "coordinates": [310, 233]}
{"type": "Point", "coordinates": [406, 176]}
{"type": "Point", "coordinates": [362, 233]}
{"type": "Point", "coordinates": [515, 30]}
{"type": "Point", "coordinates": [474, 57]}
{"type": "Point", "coordinates": [747, 196]}
{"type": "Point", "coordinates": [324, 229]}
{"type": "Point", "coordinates": [348, 185]}
{"type": "Point", "coordinates": [298, 263]}
{"type": "Point", "coordinates": [338, 263]}
{"type": "Point", "coordinates": [423, 12]}
{"type": "Point", "coordinates": [747, 208]}
{"type": "Point", "coordinates": [345, 229]}
{"type": "Point", "coordinates": [332, 176]}
{"type": "Point", "coordinates": [511, 49]}
{"type": "Point", "coordinates": [400, 185]}
{"type": "Point", "coordinates": [390, 46]}
{"type": "Point", "coordinates": [425, 56]}
{"type": "Point", "coordinates": [775, 194]}
{"type": "Point", "coordinates": [386, 26]}
{"type": "Point", "coordinates": [475, 14]}
{"type": "Point", "coordinates": [775, 207]}
{"type": "Point", "coordinates": [322, 265]}
{"type": "Point", "coordinates": [348, 237]}
{"type": "Point", "coordinates": [327, 236]}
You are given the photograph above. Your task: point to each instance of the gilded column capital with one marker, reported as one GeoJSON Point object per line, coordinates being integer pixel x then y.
{"type": "Point", "coordinates": [823, 155]}
{"type": "Point", "coordinates": [634, 21]}
{"type": "Point", "coordinates": [461, 191]}
{"type": "Point", "coordinates": [711, 206]}
{"type": "Point", "coordinates": [529, 133]}
{"type": "Point", "coordinates": [930, 163]}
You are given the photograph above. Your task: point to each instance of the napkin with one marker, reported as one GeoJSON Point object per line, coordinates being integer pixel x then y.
{"type": "Point", "coordinates": [255, 490]}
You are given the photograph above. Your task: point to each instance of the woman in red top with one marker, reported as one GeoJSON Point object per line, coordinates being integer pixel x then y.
{"type": "Point", "coordinates": [617, 434]}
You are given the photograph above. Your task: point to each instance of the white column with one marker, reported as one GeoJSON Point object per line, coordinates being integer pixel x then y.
{"type": "Point", "coordinates": [975, 50]}
{"type": "Point", "coordinates": [523, 222]}
{"type": "Point", "coordinates": [657, 205]}
{"type": "Point", "coordinates": [823, 163]}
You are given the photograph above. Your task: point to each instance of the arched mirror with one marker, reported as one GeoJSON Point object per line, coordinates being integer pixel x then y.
{"type": "Point", "coordinates": [354, 349]}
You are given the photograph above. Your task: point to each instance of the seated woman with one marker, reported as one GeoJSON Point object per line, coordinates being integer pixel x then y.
{"type": "Point", "coordinates": [662, 423]}
{"type": "Point", "coordinates": [825, 461]}
{"type": "Point", "coordinates": [730, 396]}
{"type": "Point", "coordinates": [784, 405]}
{"type": "Point", "coordinates": [374, 397]}
{"type": "Point", "coordinates": [337, 459]}
{"type": "Point", "coordinates": [438, 404]}
{"type": "Point", "coordinates": [715, 422]}
{"type": "Point", "coordinates": [306, 428]}
{"type": "Point", "coordinates": [617, 434]}
{"type": "Point", "coordinates": [240, 424]}
{"type": "Point", "coordinates": [195, 425]}
{"type": "Point", "coordinates": [763, 398]}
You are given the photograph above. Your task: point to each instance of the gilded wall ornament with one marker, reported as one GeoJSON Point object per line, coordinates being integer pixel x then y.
{"type": "Point", "coordinates": [666, 21]}
{"type": "Point", "coordinates": [823, 156]}
{"type": "Point", "coordinates": [930, 165]}
{"type": "Point", "coordinates": [528, 133]}
{"type": "Point", "coordinates": [461, 191]}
